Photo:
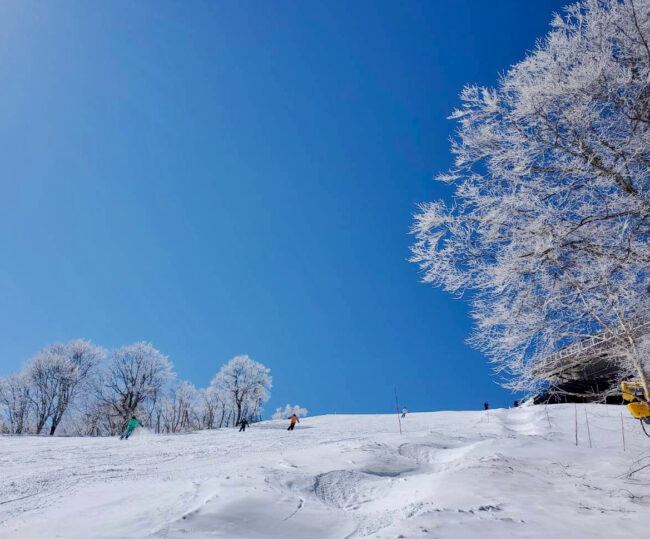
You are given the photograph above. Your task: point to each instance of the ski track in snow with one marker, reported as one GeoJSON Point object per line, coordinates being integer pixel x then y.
{"type": "Point", "coordinates": [450, 474]}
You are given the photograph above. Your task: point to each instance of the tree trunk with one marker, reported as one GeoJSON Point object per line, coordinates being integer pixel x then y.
{"type": "Point", "coordinates": [40, 424]}
{"type": "Point", "coordinates": [238, 412]}
{"type": "Point", "coordinates": [643, 376]}
{"type": "Point", "coordinates": [57, 416]}
{"type": "Point", "coordinates": [637, 363]}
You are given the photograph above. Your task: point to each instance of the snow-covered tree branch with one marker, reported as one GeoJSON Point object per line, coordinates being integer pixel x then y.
{"type": "Point", "coordinates": [288, 410]}
{"type": "Point", "coordinates": [246, 383]}
{"type": "Point", "coordinates": [136, 374]}
{"type": "Point", "coordinates": [15, 399]}
{"type": "Point", "coordinates": [549, 224]}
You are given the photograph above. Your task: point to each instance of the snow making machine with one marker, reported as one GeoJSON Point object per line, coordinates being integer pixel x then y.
{"type": "Point", "coordinates": [589, 370]}
{"type": "Point", "coordinates": [637, 402]}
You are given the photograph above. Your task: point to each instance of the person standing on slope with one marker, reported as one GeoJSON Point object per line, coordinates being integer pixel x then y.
{"type": "Point", "coordinates": [294, 419]}
{"type": "Point", "coordinates": [130, 426]}
{"type": "Point", "coordinates": [244, 423]}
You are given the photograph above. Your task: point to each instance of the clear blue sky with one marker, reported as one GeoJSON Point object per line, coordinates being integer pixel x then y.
{"type": "Point", "coordinates": [224, 178]}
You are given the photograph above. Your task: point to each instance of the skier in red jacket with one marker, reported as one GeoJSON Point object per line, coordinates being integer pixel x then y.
{"type": "Point", "coordinates": [294, 419]}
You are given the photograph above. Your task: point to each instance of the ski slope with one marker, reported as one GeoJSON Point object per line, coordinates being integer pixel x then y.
{"type": "Point", "coordinates": [506, 473]}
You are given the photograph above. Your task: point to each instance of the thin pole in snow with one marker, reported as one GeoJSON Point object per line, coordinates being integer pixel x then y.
{"type": "Point", "coordinates": [575, 409]}
{"type": "Point", "coordinates": [399, 421]}
{"type": "Point", "coordinates": [622, 431]}
{"type": "Point", "coordinates": [547, 418]}
{"type": "Point", "coordinates": [588, 431]}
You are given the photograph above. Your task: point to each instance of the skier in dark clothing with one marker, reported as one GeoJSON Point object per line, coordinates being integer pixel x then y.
{"type": "Point", "coordinates": [129, 427]}
{"type": "Point", "coordinates": [294, 419]}
{"type": "Point", "coordinates": [244, 423]}
{"type": "Point", "coordinates": [486, 405]}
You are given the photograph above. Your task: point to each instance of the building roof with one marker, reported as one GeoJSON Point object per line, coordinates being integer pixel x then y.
{"type": "Point", "coordinates": [594, 356]}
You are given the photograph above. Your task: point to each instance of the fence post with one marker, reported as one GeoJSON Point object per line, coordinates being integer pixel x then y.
{"type": "Point", "coordinates": [622, 431]}
{"type": "Point", "coordinates": [575, 409]}
{"type": "Point", "coordinates": [399, 421]}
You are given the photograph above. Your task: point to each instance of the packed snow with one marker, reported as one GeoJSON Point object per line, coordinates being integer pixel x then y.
{"type": "Point", "coordinates": [495, 474]}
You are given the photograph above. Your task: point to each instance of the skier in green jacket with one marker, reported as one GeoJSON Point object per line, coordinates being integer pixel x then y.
{"type": "Point", "coordinates": [130, 426]}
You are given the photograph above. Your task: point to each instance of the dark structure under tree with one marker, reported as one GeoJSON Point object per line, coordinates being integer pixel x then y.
{"type": "Point", "coordinates": [587, 370]}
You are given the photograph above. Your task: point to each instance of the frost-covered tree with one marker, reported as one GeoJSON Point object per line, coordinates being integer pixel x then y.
{"type": "Point", "coordinates": [288, 410]}
{"type": "Point", "coordinates": [212, 407]}
{"type": "Point", "coordinates": [15, 401]}
{"type": "Point", "coordinates": [77, 361]}
{"type": "Point", "coordinates": [97, 418]}
{"type": "Point", "coordinates": [46, 372]}
{"type": "Point", "coordinates": [50, 383]}
{"type": "Point", "coordinates": [135, 375]}
{"type": "Point", "coordinates": [246, 384]}
{"type": "Point", "coordinates": [56, 375]}
{"type": "Point", "coordinates": [549, 224]}
{"type": "Point", "coordinates": [178, 408]}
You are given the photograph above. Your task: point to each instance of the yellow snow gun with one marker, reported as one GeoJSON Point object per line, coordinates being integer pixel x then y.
{"type": "Point", "coordinates": [637, 401]}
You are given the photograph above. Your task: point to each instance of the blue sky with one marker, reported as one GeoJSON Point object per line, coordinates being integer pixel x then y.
{"type": "Point", "coordinates": [224, 178]}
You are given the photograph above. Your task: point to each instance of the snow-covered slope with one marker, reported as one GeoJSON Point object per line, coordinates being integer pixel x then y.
{"type": "Point", "coordinates": [512, 473]}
